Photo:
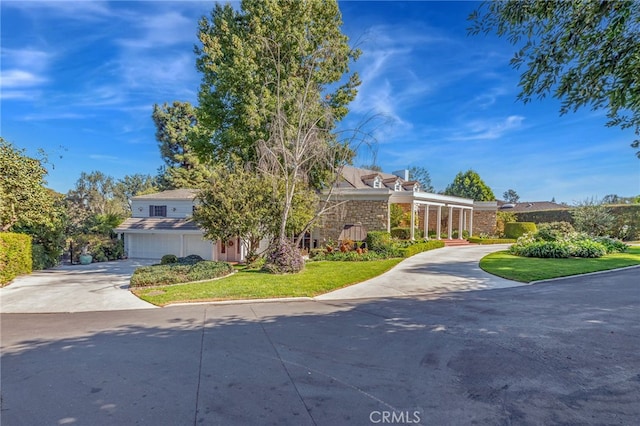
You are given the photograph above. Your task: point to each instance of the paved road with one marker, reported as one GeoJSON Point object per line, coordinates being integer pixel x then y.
{"type": "Point", "coordinates": [554, 353]}
{"type": "Point", "coordinates": [78, 288]}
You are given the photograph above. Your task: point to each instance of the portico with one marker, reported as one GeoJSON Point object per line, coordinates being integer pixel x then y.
{"type": "Point", "coordinates": [424, 204]}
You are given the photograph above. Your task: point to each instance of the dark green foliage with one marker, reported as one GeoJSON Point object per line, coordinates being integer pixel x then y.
{"type": "Point", "coordinates": [554, 230]}
{"type": "Point", "coordinates": [546, 216]}
{"type": "Point", "coordinates": [403, 233]}
{"type": "Point", "coordinates": [103, 248]}
{"type": "Point", "coordinates": [518, 229]}
{"type": "Point", "coordinates": [543, 249]}
{"type": "Point", "coordinates": [479, 240]}
{"type": "Point", "coordinates": [611, 244]}
{"type": "Point", "coordinates": [168, 258]}
{"type": "Point", "coordinates": [584, 53]}
{"type": "Point", "coordinates": [592, 217]}
{"type": "Point", "coordinates": [352, 256]}
{"type": "Point", "coordinates": [15, 256]}
{"type": "Point", "coordinates": [587, 248]}
{"type": "Point", "coordinates": [283, 258]}
{"type": "Point", "coordinates": [470, 185]}
{"type": "Point", "coordinates": [176, 273]}
{"type": "Point", "coordinates": [414, 249]}
{"type": "Point", "coordinates": [626, 223]}
{"type": "Point", "coordinates": [191, 259]}
{"type": "Point", "coordinates": [378, 241]}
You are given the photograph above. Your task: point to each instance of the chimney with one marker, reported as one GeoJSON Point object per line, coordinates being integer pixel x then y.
{"type": "Point", "coordinates": [404, 174]}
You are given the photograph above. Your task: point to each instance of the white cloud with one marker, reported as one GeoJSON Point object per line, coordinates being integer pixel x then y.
{"type": "Point", "coordinates": [163, 29]}
{"type": "Point", "coordinates": [103, 157]}
{"type": "Point", "coordinates": [487, 129]}
{"type": "Point", "coordinates": [18, 78]}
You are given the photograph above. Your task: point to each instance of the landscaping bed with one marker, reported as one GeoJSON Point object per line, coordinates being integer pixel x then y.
{"type": "Point", "coordinates": [528, 269]}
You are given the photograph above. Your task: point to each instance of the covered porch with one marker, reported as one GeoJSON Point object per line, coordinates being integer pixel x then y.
{"type": "Point", "coordinates": [427, 208]}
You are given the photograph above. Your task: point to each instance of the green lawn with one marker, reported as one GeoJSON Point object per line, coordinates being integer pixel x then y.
{"type": "Point", "coordinates": [527, 269]}
{"type": "Point", "coordinates": [317, 278]}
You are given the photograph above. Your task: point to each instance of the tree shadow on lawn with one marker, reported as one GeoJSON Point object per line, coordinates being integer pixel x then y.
{"type": "Point", "coordinates": [540, 354]}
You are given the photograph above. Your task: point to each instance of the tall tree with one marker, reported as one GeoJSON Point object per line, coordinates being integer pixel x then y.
{"type": "Point", "coordinates": [176, 126]}
{"type": "Point", "coordinates": [95, 193]}
{"type": "Point", "coordinates": [421, 174]}
{"type": "Point", "coordinates": [23, 197]}
{"type": "Point", "coordinates": [510, 196]}
{"type": "Point", "coordinates": [132, 185]}
{"type": "Point", "coordinates": [583, 52]}
{"type": "Point", "coordinates": [470, 185]}
{"type": "Point", "coordinates": [273, 89]}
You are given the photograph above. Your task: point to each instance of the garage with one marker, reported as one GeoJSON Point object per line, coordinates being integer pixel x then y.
{"type": "Point", "coordinates": [152, 246]}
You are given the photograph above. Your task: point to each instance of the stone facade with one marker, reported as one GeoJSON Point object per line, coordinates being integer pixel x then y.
{"type": "Point", "coordinates": [372, 214]}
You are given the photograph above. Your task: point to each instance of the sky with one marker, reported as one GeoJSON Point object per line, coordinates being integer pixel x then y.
{"type": "Point", "coordinates": [79, 80]}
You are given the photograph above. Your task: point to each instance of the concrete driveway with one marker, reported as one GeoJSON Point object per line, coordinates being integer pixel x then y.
{"type": "Point", "coordinates": [560, 353]}
{"type": "Point", "coordinates": [79, 288]}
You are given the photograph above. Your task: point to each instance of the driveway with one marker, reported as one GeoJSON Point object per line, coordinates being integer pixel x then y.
{"type": "Point", "coordinates": [79, 288]}
{"type": "Point", "coordinates": [557, 353]}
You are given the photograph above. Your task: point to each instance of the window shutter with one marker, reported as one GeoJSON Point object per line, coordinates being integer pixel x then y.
{"type": "Point", "coordinates": [150, 211]}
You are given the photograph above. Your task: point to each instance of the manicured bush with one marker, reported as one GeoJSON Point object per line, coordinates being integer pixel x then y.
{"type": "Point", "coordinates": [101, 247]}
{"type": "Point", "coordinates": [480, 240]}
{"type": "Point", "coordinates": [420, 247]}
{"type": "Point", "coordinates": [403, 233]}
{"type": "Point", "coordinates": [175, 273]}
{"type": "Point", "coordinates": [191, 259]}
{"type": "Point", "coordinates": [351, 256]}
{"type": "Point", "coordinates": [518, 229]}
{"type": "Point", "coordinates": [554, 231]}
{"type": "Point", "coordinates": [543, 249]}
{"type": "Point", "coordinates": [283, 258]}
{"type": "Point", "coordinates": [379, 241]}
{"type": "Point", "coordinates": [168, 258]}
{"type": "Point", "coordinates": [587, 248]}
{"type": "Point", "coordinates": [611, 244]}
{"type": "Point", "coordinates": [15, 256]}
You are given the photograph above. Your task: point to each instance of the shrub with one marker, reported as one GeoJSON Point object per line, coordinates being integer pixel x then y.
{"type": "Point", "coordinates": [350, 256]}
{"type": "Point", "coordinates": [15, 256]}
{"type": "Point", "coordinates": [379, 241]}
{"type": "Point", "coordinates": [175, 273]}
{"type": "Point", "coordinates": [403, 233]}
{"type": "Point", "coordinates": [191, 259]}
{"type": "Point", "coordinates": [41, 258]}
{"type": "Point", "coordinates": [544, 249]}
{"type": "Point", "coordinates": [283, 257]}
{"type": "Point", "coordinates": [414, 249]}
{"type": "Point", "coordinates": [554, 231]}
{"type": "Point", "coordinates": [611, 244]}
{"type": "Point", "coordinates": [592, 217]}
{"type": "Point", "coordinates": [101, 247]}
{"type": "Point", "coordinates": [480, 240]}
{"type": "Point", "coordinates": [518, 229]}
{"type": "Point", "coordinates": [168, 258]}
{"type": "Point", "coordinates": [587, 248]}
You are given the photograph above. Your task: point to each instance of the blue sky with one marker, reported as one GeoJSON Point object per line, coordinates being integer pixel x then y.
{"type": "Point", "coordinates": [79, 80]}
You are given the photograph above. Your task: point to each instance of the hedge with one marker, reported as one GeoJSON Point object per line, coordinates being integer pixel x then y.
{"type": "Point", "coordinates": [478, 240]}
{"type": "Point", "coordinates": [378, 240]}
{"type": "Point", "coordinates": [420, 247]}
{"type": "Point", "coordinates": [403, 233]}
{"type": "Point", "coordinates": [518, 229]}
{"type": "Point", "coordinates": [15, 256]}
{"type": "Point", "coordinates": [177, 273]}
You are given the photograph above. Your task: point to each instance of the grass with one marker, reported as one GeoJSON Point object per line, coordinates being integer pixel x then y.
{"type": "Point", "coordinates": [317, 278]}
{"type": "Point", "coordinates": [528, 269]}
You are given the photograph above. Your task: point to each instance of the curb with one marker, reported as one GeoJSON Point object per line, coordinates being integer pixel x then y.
{"type": "Point", "coordinates": [584, 275]}
{"type": "Point", "coordinates": [245, 301]}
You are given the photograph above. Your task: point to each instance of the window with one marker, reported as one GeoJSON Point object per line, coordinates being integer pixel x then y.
{"type": "Point", "coordinates": [157, 211]}
{"type": "Point", "coordinates": [397, 186]}
{"type": "Point", "coordinates": [377, 182]}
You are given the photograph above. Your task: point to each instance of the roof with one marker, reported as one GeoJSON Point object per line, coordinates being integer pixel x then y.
{"type": "Point", "coordinates": [157, 224]}
{"type": "Point", "coordinates": [532, 206]}
{"type": "Point", "coordinates": [173, 194]}
{"type": "Point", "coordinates": [354, 177]}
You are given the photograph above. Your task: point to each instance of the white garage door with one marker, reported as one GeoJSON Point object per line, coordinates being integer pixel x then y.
{"type": "Point", "coordinates": [153, 246]}
{"type": "Point", "coordinates": [194, 244]}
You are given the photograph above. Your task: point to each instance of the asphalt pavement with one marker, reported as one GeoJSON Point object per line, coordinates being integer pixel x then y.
{"type": "Point", "coordinates": [563, 352]}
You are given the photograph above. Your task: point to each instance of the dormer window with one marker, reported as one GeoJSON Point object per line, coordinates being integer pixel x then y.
{"type": "Point", "coordinates": [157, 211]}
{"type": "Point", "coordinates": [397, 186]}
{"type": "Point", "coordinates": [377, 182]}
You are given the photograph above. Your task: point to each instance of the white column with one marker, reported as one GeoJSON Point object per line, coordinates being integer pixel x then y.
{"type": "Point", "coordinates": [413, 221]}
{"type": "Point", "coordinates": [426, 221]}
{"type": "Point", "coordinates": [450, 223]}
{"type": "Point", "coordinates": [461, 224]}
{"type": "Point", "coordinates": [182, 245]}
{"type": "Point", "coordinates": [438, 226]}
{"type": "Point", "coordinates": [471, 222]}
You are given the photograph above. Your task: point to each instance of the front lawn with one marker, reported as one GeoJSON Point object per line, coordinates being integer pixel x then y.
{"type": "Point", "coordinates": [317, 278]}
{"type": "Point", "coordinates": [527, 269]}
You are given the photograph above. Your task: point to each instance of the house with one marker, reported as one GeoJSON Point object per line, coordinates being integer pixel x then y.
{"type": "Point", "coordinates": [365, 197]}
{"type": "Point", "coordinates": [361, 201]}
{"type": "Point", "coordinates": [161, 224]}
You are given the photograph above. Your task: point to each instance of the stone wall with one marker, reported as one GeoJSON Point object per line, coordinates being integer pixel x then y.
{"type": "Point", "coordinates": [372, 214]}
